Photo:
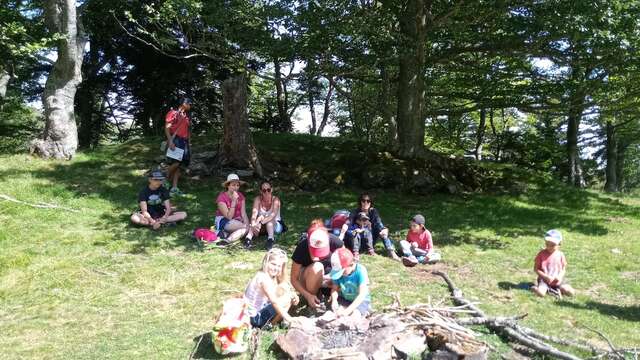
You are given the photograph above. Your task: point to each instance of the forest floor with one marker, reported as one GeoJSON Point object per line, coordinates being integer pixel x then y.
{"type": "Point", "coordinates": [81, 282]}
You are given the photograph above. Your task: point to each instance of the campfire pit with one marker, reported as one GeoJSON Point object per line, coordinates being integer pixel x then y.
{"type": "Point", "coordinates": [393, 334]}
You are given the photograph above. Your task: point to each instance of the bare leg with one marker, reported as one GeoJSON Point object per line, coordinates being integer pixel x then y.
{"type": "Point", "coordinates": [312, 277]}
{"type": "Point", "coordinates": [138, 219]}
{"type": "Point", "coordinates": [270, 229]}
{"type": "Point", "coordinates": [566, 289]}
{"type": "Point", "coordinates": [173, 173]}
{"type": "Point", "coordinates": [237, 230]}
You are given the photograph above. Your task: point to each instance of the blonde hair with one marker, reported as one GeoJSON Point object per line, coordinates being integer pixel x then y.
{"type": "Point", "coordinates": [275, 253]}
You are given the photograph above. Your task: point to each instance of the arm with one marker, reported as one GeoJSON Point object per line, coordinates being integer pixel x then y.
{"type": "Point", "coordinates": [334, 298]}
{"type": "Point", "coordinates": [243, 211]}
{"type": "Point", "coordinates": [377, 224]}
{"type": "Point", "coordinates": [167, 130]}
{"type": "Point", "coordinates": [268, 287]}
{"type": "Point", "coordinates": [363, 290]}
{"type": "Point", "coordinates": [295, 281]}
{"type": "Point", "coordinates": [145, 212]}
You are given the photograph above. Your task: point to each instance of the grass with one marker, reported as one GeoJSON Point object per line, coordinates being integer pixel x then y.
{"type": "Point", "coordinates": [89, 285]}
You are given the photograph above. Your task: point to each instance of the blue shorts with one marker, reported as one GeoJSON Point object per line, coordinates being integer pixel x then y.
{"type": "Point", "coordinates": [364, 308]}
{"type": "Point", "coordinates": [263, 316]}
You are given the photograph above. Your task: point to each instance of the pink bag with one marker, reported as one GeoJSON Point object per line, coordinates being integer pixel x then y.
{"type": "Point", "coordinates": [205, 235]}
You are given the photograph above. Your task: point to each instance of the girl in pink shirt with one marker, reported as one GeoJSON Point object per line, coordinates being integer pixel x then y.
{"type": "Point", "coordinates": [418, 247]}
{"type": "Point", "coordinates": [231, 215]}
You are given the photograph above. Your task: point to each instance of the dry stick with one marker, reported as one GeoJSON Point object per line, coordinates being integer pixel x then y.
{"type": "Point", "coordinates": [196, 347]}
{"type": "Point", "coordinates": [578, 345]}
{"type": "Point", "coordinates": [494, 320]}
{"type": "Point", "coordinates": [613, 348]}
{"type": "Point", "coordinates": [256, 344]}
{"type": "Point", "coordinates": [39, 205]}
{"type": "Point", "coordinates": [530, 342]}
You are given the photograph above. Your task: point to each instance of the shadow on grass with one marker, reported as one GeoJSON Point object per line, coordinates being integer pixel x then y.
{"type": "Point", "coordinates": [623, 312]}
{"type": "Point", "coordinates": [114, 174]}
{"type": "Point", "coordinates": [507, 285]}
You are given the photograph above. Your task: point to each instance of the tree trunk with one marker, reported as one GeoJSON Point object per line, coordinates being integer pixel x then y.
{"type": "Point", "coordinates": [387, 110]}
{"type": "Point", "coordinates": [237, 148]}
{"type": "Point", "coordinates": [281, 97]}
{"type": "Point", "coordinates": [621, 151]}
{"type": "Point", "coordinates": [480, 134]}
{"type": "Point", "coordinates": [411, 125]}
{"type": "Point", "coordinates": [312, 110]}
{"type": "Point", "coordinates": [573, 152]}
{"type": "Point", "coordinates": [611, 184]}
{"type": "Point", "coordinates": [4, 83]}
{"type": "Point", "coordinates": [327, 108]}
{"type": "Point", "coordinates": [496, 135]}
{"type": "Point", "coordinates": [60, 137]}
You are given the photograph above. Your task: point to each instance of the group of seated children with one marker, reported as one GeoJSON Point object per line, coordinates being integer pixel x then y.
{"type": "Point", "coordinates": [322, 259]}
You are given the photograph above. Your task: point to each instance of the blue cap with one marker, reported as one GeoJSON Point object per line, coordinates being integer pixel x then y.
{"type": "Point", "coordinates": [554, 236]}
{"type": "Point", "coordinates": [156, 175]}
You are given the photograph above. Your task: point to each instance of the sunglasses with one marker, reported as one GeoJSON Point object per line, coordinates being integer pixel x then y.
{"type": "Point", "coordinates": [366, 200]}
{"type": "Point", "coordinates": [266, 190]}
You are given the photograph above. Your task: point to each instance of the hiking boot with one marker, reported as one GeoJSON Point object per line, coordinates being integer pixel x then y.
{"type": "Point", "coordinates": [269, 244]}
{"type": "Point", "coordinates": [409, 261]}
{"type": "Point", "coordinates": [393, 255]}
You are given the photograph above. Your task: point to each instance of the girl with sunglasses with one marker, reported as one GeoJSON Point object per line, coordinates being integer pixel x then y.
{"type": "Point", "coordinates": [265, 215]}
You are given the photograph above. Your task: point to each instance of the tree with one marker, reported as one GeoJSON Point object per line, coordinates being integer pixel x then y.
{"type": "Point", "coordinates": [60, 137]}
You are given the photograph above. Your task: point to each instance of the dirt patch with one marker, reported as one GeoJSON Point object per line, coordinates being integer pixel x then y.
{"type": "Point", "coordinates": [631, 275]}
{"type": "Point", "coordinates": [425, 271]}
{"type": "Point", "coordinates": [596, 289]}
{"type": "Point", "coordinates": [618, 219]}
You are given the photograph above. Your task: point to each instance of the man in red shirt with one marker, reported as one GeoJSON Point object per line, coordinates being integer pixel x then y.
{"type": "Point", "coordinates": [177, 130]}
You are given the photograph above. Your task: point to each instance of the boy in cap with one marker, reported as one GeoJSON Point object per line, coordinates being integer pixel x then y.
{"type": "Point", "coordinates": [350, 290]}
{"type": "Point", "coordinates": [311, 261]}
{"type": "Point", "coordinates": [155, 207]}
{"type": "Point", "coordinates": [550, 266]}
{"type": "Point", "coordinates": [418, 247]}
{"type": "Point", "coordinates": [361, 236]}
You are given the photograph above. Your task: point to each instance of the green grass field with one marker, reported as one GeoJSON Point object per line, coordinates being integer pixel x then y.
{"type": "Point", "coordinates": [86, 284]}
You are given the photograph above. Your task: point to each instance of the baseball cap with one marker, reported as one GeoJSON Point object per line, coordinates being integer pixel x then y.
{"type": "Point", "coordinates": [186, 101]}
{"type": "Point", "coordinates": [340, 259]}
{"type": "Point", "coordinates": [418, 219]}
{"type": "Point", "coordinates": [554, 236]}
{"type": "Point", "coordinates": [363, 216]}
{"type": "Point", "coordinates": [156, 175]}
{"type": "Point", "coordinates": [318, 242]}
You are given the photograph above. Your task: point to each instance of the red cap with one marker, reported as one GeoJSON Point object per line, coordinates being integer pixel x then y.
{"type": "Point", "coordinates": [318, 242]}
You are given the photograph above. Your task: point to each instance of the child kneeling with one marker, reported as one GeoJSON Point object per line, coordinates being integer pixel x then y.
{"type": "Point", "coordinates": [551, 266]}
{"type": "Point", "coordinates": [350, 290]}
{"type": "Point", "coordinates": [418, 247]}
{"type": "Point", "coordinates": [268, 294]}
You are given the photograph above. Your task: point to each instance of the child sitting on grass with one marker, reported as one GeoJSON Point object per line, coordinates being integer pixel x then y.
{"type": "Point", "coordinates": [155, 207]}
{"type": "Point", "coordinates": [550, 266]}
{"type": "Point", "coordinates": [361, 236]}
{"type": "Point", "coordinates": [418, 247]}
{"type": "Point", "coordinates": [268, 294]}
{"type": "Point", "coordinates": [350, 290]}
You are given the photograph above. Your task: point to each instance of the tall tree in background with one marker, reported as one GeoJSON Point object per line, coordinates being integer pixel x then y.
{"type": "Point", "coordinates": [60, 137]}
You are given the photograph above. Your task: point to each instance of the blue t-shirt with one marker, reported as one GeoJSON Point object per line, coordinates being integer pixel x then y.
{"type": "Point", "coordinates": [349, 285]}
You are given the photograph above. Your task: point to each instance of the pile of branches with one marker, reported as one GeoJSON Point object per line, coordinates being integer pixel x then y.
{"type": "Point", "coordinates": [509, 328]}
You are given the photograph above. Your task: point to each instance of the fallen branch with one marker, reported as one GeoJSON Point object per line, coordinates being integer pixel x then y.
{"type": "Point", "coordinates": [38, 205]}
{"type": "Point", "coordinates": [504, 327]}
{"type": "Point", "coordinates": [613, 348]}
{"type": "Point", "coordinates": [493, 320]}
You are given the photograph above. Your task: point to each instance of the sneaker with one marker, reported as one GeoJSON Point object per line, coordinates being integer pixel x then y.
{"type": "Point", "coordinates": [270, 243]}
{"type": "Point", "coordinates": [409, 261]}
{"type": "Point", "coordinates": [246, 243]}
{"type": "Point", "coordinates": [393, 255]}
{"type": "Point", "coordinates": [176, 192]}
{"type": "Point", "coordinates": [371, 252]}
{"type": "Point", "coordinates": [170, 224]}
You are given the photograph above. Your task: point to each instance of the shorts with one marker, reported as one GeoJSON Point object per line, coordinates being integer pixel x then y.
{"type": "Point", "coordinates": [221, 222]}
{"type": "Point", "coordinates": [263, 316]}
{"type": "Point", "coordinates": [364, 308]}
{"type": "Point", "coordinates": [182, 143]}
{"type": "Point", "coordinates": [544, 287]}
{"type": "Point", "coordinates": [154, 216]}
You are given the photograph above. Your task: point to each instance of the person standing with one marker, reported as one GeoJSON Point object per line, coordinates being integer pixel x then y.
{"type": "Point", "coordinates": [177, 129]}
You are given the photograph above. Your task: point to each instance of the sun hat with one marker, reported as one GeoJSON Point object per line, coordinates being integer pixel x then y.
{"type": "Point", "coordinates": [319, 246]}
{"type": "Point", "coordinates": [156, 175]}
{"type": "Point", "coordinates": [553, 236]}
{"type": "Point", "coordinates": [340, 260]}
{"type": "Point", "coordinates": [418, 219]}
{"type": "Point", "coordinates": [232, 177]}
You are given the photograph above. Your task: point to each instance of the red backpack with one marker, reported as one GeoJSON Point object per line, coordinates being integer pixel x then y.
{"type": "Point", "coordinates": [339, 218]}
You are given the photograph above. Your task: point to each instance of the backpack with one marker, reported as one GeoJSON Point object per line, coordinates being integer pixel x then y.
{"type": "Point", "coordinates": [339, 218]}
{"type": "Point", "coordinates": [232, 329]}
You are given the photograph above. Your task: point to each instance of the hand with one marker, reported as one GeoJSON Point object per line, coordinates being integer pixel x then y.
{"type": "Point", "coordinates": [414, 244]}
{"type": "Point", "coordinates": [359, 230]}
{"type": "Point", "coordinates": [295, 299]}
{"type": "Point", "coordinates": [172, 146]}
{"type": "Point", "coordinates": [335, 307]}
{"type": "Point", "coordinates": [384, 233]}
{"type": "Point", "coordinates": [235, 196]}
{"type": "Point", "coordinates": [343, 312]}
{"type": "Point", "coordinates": [312, 300]}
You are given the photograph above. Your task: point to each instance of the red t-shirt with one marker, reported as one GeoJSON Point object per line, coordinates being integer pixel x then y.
{"type": "Point", "coordinates": [423, 239]}
{"type": "Point", "coordinates": [179, 123]}
{"type": "Point", "coordinates": [551, 263]}
{"type": "Point", "coordinates": [223, 197]}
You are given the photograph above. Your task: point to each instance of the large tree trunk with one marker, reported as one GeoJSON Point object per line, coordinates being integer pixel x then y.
{"type": "Point", "coordinates": [573, 152]}
{"type": "Point", "coordinates": [282, 99]}
{"type": "Point", "coordinates": [387, 111]}
{"type": "Point", "coordinates": [60, 137]}
{"type": "Point", "coordinates": [621, 150]}
{"type": "Point", "coordinates": [611, 184]}
{"type": "Point", "coordinates": [480, 134]}
{"type": "Point", "coordinates": [411, 80]}
{"type": "Point", "coordinates": [237, 148]}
